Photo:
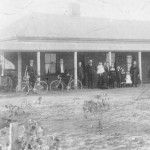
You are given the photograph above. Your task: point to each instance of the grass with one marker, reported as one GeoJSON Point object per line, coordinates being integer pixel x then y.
{"type": "Point", "coordinates": [126, 125]}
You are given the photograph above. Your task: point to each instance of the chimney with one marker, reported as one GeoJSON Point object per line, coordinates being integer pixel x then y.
{"type": "Point", "coordinates": [74, 9]}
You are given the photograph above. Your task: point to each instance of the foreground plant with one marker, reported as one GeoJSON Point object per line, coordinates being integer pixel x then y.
{"type": "Point", "coordinates": [33, 138]}
{"type": "Point", "coordinates": [95, 108]}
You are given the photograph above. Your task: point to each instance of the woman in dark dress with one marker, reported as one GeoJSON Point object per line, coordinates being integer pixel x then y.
{"type": "Point", "coordinates": [112, 76]}
{"type": "Point", "coordinates": [80, 72]}
{"type": "Point", "coordinates": [134, 71]}
{"type": "Point", "coordinates": [106, 75]}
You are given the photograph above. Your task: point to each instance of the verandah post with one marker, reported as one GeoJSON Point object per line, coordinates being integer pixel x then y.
{"type": "Point", "coordinates": [109, 55]}
{"type": "Point", "coordinates": [75, 69]}
{"type": "Point", "coordinates": [19, 70]}
{"type": "Point", "coordinates": [140, 65]}
{"type": "Point", "coordinates": [39, 65]}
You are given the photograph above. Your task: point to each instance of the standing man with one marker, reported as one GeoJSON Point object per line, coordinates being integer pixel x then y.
{"type": "Point", "coordinates": [61, 69]}
{"type": "Point", "coordinates": [63, 72]}
{"type": "Point", "coordinates": [80, 72]}
{"type": "Point", "coordinates": [134, 71]}
{"type": "Point", "coordinates": [90, 69]}
{"type": "Point", "coordinates": [106, 75]}
{"type": "Point", "coordinates": [118, 76]}
{"type": "Point", "coordinates": [31, 73]}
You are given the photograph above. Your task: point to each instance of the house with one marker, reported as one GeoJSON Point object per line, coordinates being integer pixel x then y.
{"type": "Point", "coordinates": [49, 38]}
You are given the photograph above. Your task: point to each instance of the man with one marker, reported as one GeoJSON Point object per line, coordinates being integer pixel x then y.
{"type": "Point", "coordinates": [134, 71]}
{"type": "Point", "coordinates": [118, 76]}
{"type": "Point", "coordinates": [80, 72]}
{"type": "Point", "coordinates": [90, 69]}
{"type": "Point", "coordinates": [106, 75]}
{"type": "Point", "coordinates": [63, 72]}
{"type": "Point", "coordinates": [31, 72]}
{"type": "Point", "coordinates": [61, 69]}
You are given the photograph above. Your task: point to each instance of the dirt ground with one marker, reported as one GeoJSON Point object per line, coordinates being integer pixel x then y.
{"type": "Point", "coordinates": [126, 125]}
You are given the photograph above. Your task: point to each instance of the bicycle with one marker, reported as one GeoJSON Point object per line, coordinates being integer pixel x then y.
{"type": "Point", "coordinates": [59, 85]}
{"type": "Point", "coordinates": [40, 87]}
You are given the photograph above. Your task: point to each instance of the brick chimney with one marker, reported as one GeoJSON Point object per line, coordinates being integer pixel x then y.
{"type": "Point", "coordinates": [74, 9]}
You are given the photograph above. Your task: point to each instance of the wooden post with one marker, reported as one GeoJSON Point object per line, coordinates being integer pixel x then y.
{"type": "Point", "coordinates": [13, 136]}
{"type": "Point", "coordinates": [2, 63]}
{"type": "Point", "coordinates": [75, 69]}
{"type": "Point", "coordinates": [140, 65]}
{"type": "Point", "coordinates": [39, 64]}
{"type": "Point", "coordinates": [19, 70]}
{"type": "Point", "coordinates": [109, 58]}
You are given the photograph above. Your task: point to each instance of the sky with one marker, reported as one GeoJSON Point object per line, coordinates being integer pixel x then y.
{"type": "Point", "coordinates": [10, 10]}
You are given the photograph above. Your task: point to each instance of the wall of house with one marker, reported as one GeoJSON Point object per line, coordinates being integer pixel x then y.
{"type": "Point", "coordinates": [68, 58]}
{"type": "Point", "coordinates": [13, 58]}
{"type": "Point", "coordinates": [146, 67]}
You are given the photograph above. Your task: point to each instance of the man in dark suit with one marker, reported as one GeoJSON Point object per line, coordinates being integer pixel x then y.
{"type": "Point", "coordinates": [118, 76]}
{"type": "Point", "coordinates": [134, 71]}
{"type": "Point", "coordinates": [106, 75]}
{"type": "Point", "coordinates": [31, 72]}
{"type": "Point", "coordinates": [90, 70]}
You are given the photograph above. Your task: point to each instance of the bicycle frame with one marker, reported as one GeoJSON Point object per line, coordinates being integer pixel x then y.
{"type": "Point", "coordinates": [60, 80]}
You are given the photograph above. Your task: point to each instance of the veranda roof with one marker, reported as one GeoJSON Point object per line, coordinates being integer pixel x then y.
{"type": "Point", "coordinates": [43, 32]}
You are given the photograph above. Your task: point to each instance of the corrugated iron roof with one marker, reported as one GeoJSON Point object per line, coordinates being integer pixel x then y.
{"type": "Point", "coordinates": [57, 26]}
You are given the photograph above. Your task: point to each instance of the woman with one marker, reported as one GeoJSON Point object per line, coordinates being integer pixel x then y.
{"type": "Point", "coordinates": [80, 72]}
{"type": "Point", "coordinates": [134, 71]}
{"type": "Point", "coordinates": [112, 76]}
{"type": "Point", "coordinates": [106, 75]}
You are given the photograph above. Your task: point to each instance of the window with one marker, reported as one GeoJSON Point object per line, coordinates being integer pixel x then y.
{"type": "Point", "coordinates": [50, 63]}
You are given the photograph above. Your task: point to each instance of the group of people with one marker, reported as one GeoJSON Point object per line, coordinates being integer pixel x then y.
{"type": "Point", "coordinates": [107, 75]}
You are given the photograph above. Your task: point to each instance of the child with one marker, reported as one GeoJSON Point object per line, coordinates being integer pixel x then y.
{"type": "Point", "coordinates": [123, 78]}
{"type": "Point", "coordinates": [128, 79]}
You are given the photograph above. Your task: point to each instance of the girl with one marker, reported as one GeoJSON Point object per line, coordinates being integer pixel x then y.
{"type": "Point", "coordinates": [128, 79]}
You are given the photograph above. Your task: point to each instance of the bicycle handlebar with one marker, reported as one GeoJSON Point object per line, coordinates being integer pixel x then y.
{"type": "Point", "coordinates": [59, 76]}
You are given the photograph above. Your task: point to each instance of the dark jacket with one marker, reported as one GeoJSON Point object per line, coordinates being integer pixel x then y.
{"type": "Point", "coordinates": [112, 74]}
{"type": "Point", "coordinates": [32, 71]}
{"type": "Point", "coordinates": [134, 71]}
{"type": "Point", "coordinates": [80, 73]}
{"type": "Point", "coordinates": [90, 70]}
{"type": "Point", "coordinates": [118, 75]}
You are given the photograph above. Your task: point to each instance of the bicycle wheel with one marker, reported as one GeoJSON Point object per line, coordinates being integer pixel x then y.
{"type": "Point", "coordinates": [41, 87]}
{"type": "Point", "coordinates": [56, 85]}
{"type": "Point", "coordinates": [23, 90]}
{"type": "Point", "coordinates": [76, 85]}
